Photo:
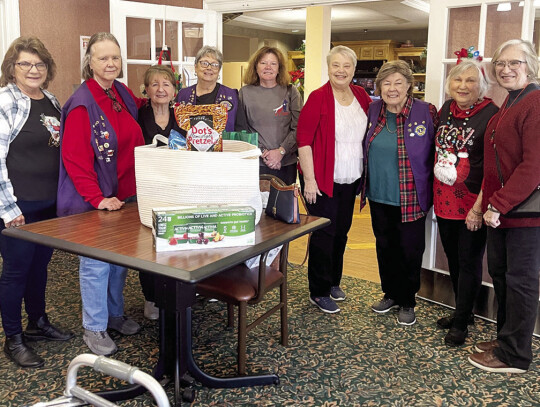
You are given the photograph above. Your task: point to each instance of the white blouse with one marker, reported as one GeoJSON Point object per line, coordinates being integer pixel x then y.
{"type": "Point", "coordinates": [351, 123]}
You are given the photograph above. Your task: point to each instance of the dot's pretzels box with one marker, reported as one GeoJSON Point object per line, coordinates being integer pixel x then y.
{"type": "Point", "coordinates": [202, 228]}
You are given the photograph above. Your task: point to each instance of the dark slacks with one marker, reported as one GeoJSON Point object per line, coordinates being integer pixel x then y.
{"type": "Point", "coordinates": [514, 265]}
{"type": "Point", "coordinates": [287, 173]}
{"type": "Point", "coordinates": [465, 251]}
{"type": "Point", "coordinates": [327, 245]}
{"type": "Point", "coordinates": [24, 271]}
{"type": "Point", "coordinates": [400, 247]}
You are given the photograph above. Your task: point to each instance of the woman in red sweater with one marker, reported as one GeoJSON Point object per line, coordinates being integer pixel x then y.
{"type": "Point", "coordinates": [511, 158]}
{"type": "Point", "coordinates": [99, 133]}
{"type": "Point", "coordinates": [329, 135]}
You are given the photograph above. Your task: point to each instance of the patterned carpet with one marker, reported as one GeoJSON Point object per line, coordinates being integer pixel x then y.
{"type": "Point", "coordinates": [354, 358]}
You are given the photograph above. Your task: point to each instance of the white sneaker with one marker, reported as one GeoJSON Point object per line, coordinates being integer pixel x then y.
{"type": "Point", "coordinates": [151, 311]}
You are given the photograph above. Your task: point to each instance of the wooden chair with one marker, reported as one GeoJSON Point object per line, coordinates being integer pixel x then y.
{"type": "Point", "coordinates": [240, 286]}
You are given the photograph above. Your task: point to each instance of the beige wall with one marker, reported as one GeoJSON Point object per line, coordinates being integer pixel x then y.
{"type": "Point", "coordinates": [59, 23]}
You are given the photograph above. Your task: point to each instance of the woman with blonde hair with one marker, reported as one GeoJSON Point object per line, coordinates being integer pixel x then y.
{"type": "Point", "coordinates": [270, 106]}
{"type": "Point", "coordinates": [331, 129]}
{"type": "Point", "coordinates": [459, 161]}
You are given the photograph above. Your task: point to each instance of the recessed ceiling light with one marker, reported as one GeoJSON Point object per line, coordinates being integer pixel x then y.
{"type": "Point", "coordinates": [295, 31]}
{"type": "Point", "coordinates": [504, 7]}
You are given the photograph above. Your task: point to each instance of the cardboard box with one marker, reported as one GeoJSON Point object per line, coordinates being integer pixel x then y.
{"type": "Point", "coordinates": [202, 228]}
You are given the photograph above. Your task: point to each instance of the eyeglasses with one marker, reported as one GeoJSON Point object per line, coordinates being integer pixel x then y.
{"type": "Point", "coordinates": [27, 66]}
{"type": "Point", "coordinates": [513, 64]}
{"type": "Point", "coordinates": [116, 105]}
{"type": "Point", "coordinates": [206, 64]}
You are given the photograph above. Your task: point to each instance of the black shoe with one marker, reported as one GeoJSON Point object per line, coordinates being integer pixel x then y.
{"type": "Point", "coordinates": [20, 353]}
{"type": "Point", "coordinates": [447, 322]}
{"type": "Point", "coordinates": [456, 337]}
{"type": "Point", "coordinates": [43, 330]}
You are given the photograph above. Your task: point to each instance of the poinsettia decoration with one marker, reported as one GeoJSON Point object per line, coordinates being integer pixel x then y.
{"type": "Point", "coordinates": [297, 79]}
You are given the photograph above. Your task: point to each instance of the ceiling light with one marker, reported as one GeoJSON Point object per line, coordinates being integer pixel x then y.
{"type": "Point", "coordinates": [417, 4]}
{"type": "Point", "coordinates": [295, 31]}
{"type": "Point", "coordinates": [504, 7]}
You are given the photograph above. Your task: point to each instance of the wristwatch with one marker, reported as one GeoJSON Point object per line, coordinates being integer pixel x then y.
{"type": "Point", "coordinates": [281, 150]}
{"type": "Point", "coordinates": [492, 209]}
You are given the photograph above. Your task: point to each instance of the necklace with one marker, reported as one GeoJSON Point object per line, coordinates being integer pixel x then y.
{"type": "Point", "coordinates": [386, 124]}
{"type": "Point", "coordinates": [503, 111]}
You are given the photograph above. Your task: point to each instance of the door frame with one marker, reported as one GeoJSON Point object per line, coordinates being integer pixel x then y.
{"type": "Point", "coordinates": [122, 9]}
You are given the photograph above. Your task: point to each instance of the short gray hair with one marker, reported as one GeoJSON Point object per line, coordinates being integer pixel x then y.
{"type": "Point", "coordinates": [343, 50]}
{"type": "Point", "coordinates": [97, 37]}
{"type": "Point", "coordinates": [530, 57]}
{"type": "Point", "coordinates": [462, 67]}
{"type": "Point", "coordinates": [211, 51]}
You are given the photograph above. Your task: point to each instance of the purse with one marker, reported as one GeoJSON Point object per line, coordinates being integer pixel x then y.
{"type": "Point", "coordinates": [530, 207]}
{"type": "Point", "coordinates": [283, 201]}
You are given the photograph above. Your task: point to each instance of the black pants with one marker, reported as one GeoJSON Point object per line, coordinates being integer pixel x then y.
{"type": "Point", "coordinates": [327, 245]}
{"type": "Point", "coordinates": [24, 270]}
{"type": "Point", "coordinates": [514, 264]}
{"type": "Point", "coordinates": [465, 251]}
{"type": "Point", "coordinates": [400, 246]}
{"type": "Point", "coordinates": [287, 173]}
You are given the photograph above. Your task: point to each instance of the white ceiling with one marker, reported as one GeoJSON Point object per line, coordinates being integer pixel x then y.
{"type": "Point", "coordinates": [288, 16]}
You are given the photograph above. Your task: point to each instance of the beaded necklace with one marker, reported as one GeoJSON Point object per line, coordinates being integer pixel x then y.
{"type": "Point", "coordinates": [452, 138]}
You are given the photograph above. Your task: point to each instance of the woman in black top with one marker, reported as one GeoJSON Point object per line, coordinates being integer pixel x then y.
{"type": "Point", "coordinates": [156, 117]}
{"type": "Point", "coordinates": [29, 160]}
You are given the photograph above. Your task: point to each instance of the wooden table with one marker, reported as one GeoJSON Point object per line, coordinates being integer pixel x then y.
{"type": "Point", "coordinates": [119, 237]}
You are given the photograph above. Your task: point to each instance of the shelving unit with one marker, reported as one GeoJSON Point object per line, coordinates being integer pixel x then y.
{"type": "Point", "coordinates": [371, 49]}
{"type": "Point", "coordinates": [414, 56]}
{"type": "Point", "coordinates": [295, 60]}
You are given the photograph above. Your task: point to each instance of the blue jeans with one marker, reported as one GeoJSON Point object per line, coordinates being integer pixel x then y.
{"type": "Point", "coordinates": [24, 270]}
{"type": "Point", "coordinates": [102, 292]}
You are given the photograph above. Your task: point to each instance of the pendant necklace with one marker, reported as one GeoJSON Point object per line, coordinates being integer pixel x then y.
{"type": "Point", "coordinates": [388, 128]}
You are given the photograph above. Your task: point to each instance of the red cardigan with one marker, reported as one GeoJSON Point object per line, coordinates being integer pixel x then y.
{"type": "Point", "coordinates": [518, 147]}
{"type": "Point", "coordinates": [316, 128]}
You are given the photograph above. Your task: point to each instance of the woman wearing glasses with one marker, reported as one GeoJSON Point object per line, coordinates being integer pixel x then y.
{"type": "Point", "coordinates": [29, 155]}
{"type": "Point", "coordinates": [271, 107]}
{"type": "Point", "coordinates": [207, 91]}
{"type": "Point", "coordinates": [98, 135]}
{"type": "Point", "coordinates": [511, 158]}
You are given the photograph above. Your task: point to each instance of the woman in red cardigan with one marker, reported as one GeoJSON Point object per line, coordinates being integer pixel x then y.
{"type": "Point", "coordinates": [329, 135]}
{"type": "Point", "coordinates": [511, 158]}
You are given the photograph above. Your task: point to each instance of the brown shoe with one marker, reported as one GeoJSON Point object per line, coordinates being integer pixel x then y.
{"type": "Point", "coordinates": [489, 362]}
{"type": "Point", "coordinates": [485, 346]}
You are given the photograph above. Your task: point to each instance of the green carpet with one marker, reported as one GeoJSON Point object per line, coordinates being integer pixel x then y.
{"type": "Point", "coordinates": [354, 358]}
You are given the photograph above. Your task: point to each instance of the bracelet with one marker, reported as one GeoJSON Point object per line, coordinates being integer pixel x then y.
{"type": "Point", "coordinates": [476, 213]}
{"type": "Point", "coordinates": [492, 209]}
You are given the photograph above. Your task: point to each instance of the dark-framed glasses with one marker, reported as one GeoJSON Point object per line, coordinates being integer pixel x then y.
{"type": "Point", "coordinates": [116, 104]}
{"type": "Point", "coordinates": [206, 64]}
{"type": "Point", "coordinates": [27, 66]}
{"type": "Point", "coordinates": [513, 64]}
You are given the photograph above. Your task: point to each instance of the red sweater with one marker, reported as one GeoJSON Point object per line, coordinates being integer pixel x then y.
{"type": "Point", "coordinates": [316, 128]}
{"type": "Point", "coordinates": [78, 154]}
{"type": "Point", "coordinates": [518, 147]}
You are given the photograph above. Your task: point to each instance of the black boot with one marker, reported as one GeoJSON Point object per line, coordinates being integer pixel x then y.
{"type": "Point", "coordinates": [20, 353]}
{"type": "Point", "coordinates": [43, 330]}
{"type": "Point", "coordinates": [455, 336]}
